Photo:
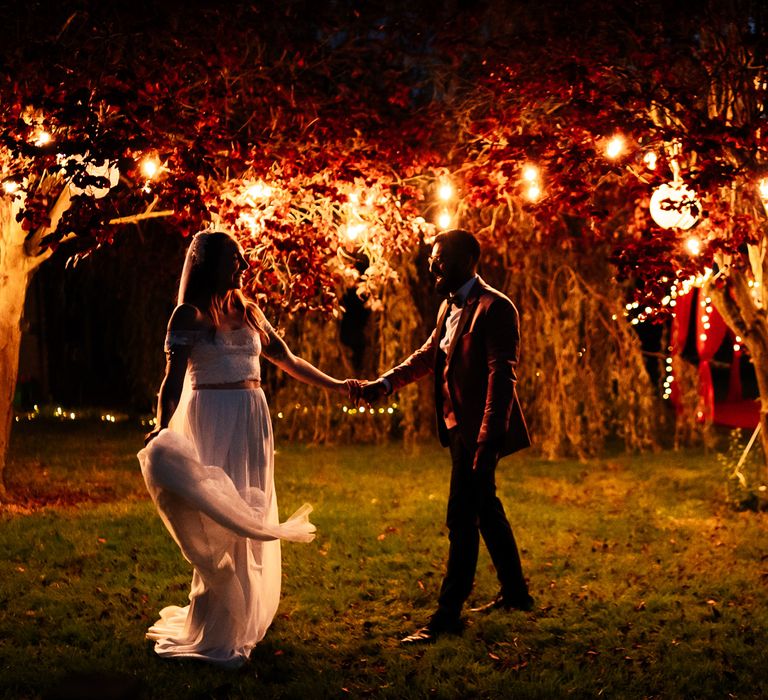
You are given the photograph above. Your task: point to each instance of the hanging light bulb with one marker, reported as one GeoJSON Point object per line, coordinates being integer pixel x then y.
{"type": "Point", "coordinates": [258, 191]}
{"type": "Point", "coordinates": [615, 147]}
{"type": "Point", "coordinates": [693, 245]}
{"type": "Point", "coordinates": [762, 187]}
{"type": "Point", "coordinates": [150, 167]}
{"type": "Point", "coordinates": [530, 173]}
{"type": "Point", "coordinates": [533, 192]}
{"type": "Point", "coordinates": [43, 138]}
{"type": "Point", "coordinates": [354, 231]}
{"type": "Point", "coordinates": [445, 191]}
{"type": "Point", "coordinates": [444, 219]}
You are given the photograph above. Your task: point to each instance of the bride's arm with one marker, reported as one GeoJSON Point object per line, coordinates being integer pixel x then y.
{"type": "Point", "coordinates": [277, 352]}
{"type": "Point", "coordinates": [183, 321]}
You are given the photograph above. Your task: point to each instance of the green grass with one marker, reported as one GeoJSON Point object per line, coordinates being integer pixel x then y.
{"type": "Point", "coordinates": [646, 584]}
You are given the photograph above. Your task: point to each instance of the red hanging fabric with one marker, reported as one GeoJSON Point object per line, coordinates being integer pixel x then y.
{"type": "Point", "coordinates": [734, 380]}
{"type": "Point", "coordinates": [681, 321]}
{"type": "Point", "coordinates": [710, 333]}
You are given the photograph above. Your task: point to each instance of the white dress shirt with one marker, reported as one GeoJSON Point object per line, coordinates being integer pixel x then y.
{"type": "Point", "coordinates": [455, 313]}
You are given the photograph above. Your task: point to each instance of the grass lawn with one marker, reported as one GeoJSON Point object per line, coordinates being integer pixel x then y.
{"type": "Point", "coordinates": [646, 584]}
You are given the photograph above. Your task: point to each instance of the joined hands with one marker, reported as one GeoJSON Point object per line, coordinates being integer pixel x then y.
{"type": "Point", "coordinates": [365, 392]}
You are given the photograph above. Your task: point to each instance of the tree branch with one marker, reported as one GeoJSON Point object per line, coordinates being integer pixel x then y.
{"type": "Point", "coordinates": [134, 218]}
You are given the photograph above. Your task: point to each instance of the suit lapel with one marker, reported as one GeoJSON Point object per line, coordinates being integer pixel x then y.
{"type": "Point", "coordinates": [442, 315]}
{"type": "Point", "coordinates": [466, 313]}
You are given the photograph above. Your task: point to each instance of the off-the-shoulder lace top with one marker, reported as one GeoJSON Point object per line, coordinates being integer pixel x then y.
{"type": "Point", "coordinates": [228, 357]}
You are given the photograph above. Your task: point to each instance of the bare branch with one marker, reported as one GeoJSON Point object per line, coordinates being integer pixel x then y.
{"type": "Point", "coordinates": [134, 218]}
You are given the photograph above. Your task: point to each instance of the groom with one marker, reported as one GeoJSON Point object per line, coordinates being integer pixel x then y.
{"type": "Point", "coordinates": [472, 353]}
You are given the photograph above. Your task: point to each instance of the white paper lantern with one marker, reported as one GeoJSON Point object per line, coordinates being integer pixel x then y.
{"type": "Point", "coordinates": [105, 170]}
{"type": "Point", "coordinates": [673, 205]}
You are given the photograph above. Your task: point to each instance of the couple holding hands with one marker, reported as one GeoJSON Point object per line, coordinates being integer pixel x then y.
{"type": "Point", "coordinates": [209, 463]}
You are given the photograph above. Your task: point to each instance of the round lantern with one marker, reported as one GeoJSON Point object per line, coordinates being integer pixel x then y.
{"type": "Point", "coordinates": [105, 170]}
{"type": "Point", "coordinates": [673, 205]}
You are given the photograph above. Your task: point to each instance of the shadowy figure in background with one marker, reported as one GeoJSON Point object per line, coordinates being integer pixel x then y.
{"type": "Point", "coordinates": [473, 354]}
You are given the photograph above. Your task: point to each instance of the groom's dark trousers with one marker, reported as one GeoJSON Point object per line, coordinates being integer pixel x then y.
{"type": "Point", "coordinates": [474, 510]}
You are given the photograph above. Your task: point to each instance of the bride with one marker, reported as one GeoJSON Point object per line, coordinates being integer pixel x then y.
{"type": "Point", "coordinates": [208, 465]}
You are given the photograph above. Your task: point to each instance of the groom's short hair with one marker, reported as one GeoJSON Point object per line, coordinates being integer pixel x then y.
{"type": "Point", "coordinates": [461, 241]}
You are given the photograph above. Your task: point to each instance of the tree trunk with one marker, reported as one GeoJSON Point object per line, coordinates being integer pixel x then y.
{"type": "Point", "coordinates": [761, 372]}
{"type": "Point", "coordinates": [19, 257]}
{"type": "Point", "coordinates": [744, 313]}
{"type": "Point", "coordinates": [15, 271]}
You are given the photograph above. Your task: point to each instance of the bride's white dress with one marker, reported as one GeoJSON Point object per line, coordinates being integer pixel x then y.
{"type": "Point", "coordinates": [211, 476]}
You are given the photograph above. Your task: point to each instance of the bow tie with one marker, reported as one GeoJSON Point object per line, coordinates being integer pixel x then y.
{"type": "Point", "coordinates": [455, 300]}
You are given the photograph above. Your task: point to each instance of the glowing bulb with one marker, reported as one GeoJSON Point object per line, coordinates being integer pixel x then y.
{"type": "Point", "coordinates": [650, 159]}
{"type": "Point", "coordinates": [10, 186]}
{"type": "Point", "coordinates": [533, 193]}
{"type": "Point", "coordinates": [615, 147]}
{"type": "Point", "coordinates": [445, 191]}
{"type": "Point", "coordinates": [530, 173]}
{"type": "Point", "coordinates": [257, 191]}
{"type": "Point", "coordinates": [43, 137]}
{"type": "Point", "coordinates": [736, 347]}
{"type": "Point", "coordinates": [354, 231]}
{"type": "Point", "coordinates": [762, 186]}
{"type": "Point", "coordinates": [150, 166]}
{"type": "Point", "coordinates": [693, 245]}
{"type": "Point", "coordinates": [444, 220]}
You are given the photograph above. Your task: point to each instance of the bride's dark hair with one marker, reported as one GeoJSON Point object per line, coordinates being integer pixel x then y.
{"type": "Point", "coordinates": [199, 282]}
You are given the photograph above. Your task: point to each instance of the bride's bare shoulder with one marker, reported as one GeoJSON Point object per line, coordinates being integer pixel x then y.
{"type": "Point", "coordinates": [186, 317]}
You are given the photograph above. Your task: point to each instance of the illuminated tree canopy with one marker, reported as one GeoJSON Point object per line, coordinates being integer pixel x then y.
{"type": "Point", "coordinates": [356, 134]}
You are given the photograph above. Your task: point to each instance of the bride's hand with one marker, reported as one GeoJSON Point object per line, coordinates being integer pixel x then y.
{"type": "Point", "coordinates": [354, 388]}
{"type": "Point", "coordinates": [151, 436]}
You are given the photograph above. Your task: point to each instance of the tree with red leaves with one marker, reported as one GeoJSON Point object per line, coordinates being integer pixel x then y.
{"type": "Point", "coordinates": [203, 123]}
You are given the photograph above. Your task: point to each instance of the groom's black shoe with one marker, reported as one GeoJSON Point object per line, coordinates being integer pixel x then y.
{"type": "Point", "coordinates": [505, 602]}
{"type": "Point", "coordinates": [436, 627]}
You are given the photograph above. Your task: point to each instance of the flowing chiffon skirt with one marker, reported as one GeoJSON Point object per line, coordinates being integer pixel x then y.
{"type": "Point", "coordinates": [211, 476]}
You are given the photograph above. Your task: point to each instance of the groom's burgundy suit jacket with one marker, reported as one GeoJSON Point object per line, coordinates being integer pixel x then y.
{"type": "Point", "coordinates": [479, 369]}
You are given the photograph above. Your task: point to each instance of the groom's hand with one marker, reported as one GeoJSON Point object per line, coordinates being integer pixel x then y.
{"type": "Point", "coordinates": [486, 457]}
{"type": "Point", "coordinates": [373, 392]}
